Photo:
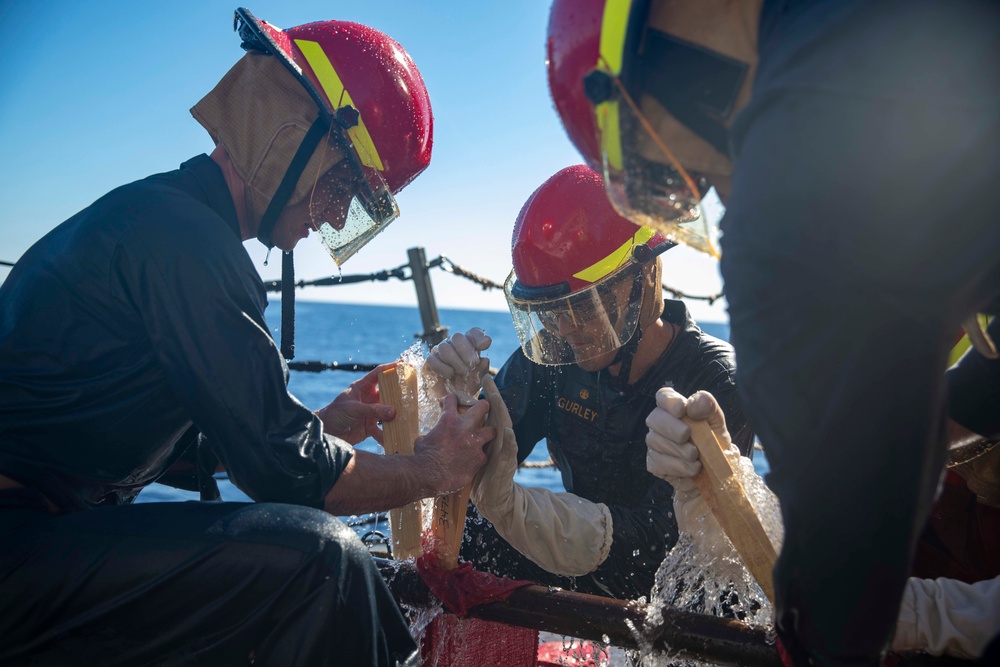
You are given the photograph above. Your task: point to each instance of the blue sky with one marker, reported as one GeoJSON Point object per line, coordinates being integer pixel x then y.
{"type": "Point", "coordinates": [97, 94]}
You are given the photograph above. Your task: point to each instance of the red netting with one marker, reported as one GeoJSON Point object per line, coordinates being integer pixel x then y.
{"type": "Point", "coordinates": [463, 588]}
{"type": "Point", "coordinates": [452, 641]}
{"type": "Point", "coordinates": [572, 653]}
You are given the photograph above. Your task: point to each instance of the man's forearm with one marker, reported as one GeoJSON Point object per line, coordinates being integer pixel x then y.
{"type": "Point", "coordinates": [373, 483]}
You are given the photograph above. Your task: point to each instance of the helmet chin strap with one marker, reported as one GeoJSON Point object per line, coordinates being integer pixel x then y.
{"type": "Point", "coordinates": [283, 193]}
{"type": "Point", "coordinates": [288, 305]}
{"type": "Point", "coordinates": [626, 353]}
{"type": "Point", "coordinates": [319, 128]}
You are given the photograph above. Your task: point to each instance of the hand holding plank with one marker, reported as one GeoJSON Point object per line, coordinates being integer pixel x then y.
{"type": "Point", "coordinates": [689, 446]}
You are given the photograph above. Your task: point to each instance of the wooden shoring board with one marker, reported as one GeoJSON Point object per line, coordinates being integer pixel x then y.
{"type": "Point", "coordinates": [398, 387]}
{"type": "Point", "coordinates": [725, 494]}
{"type": "Point", "coordinates": [448, 525]}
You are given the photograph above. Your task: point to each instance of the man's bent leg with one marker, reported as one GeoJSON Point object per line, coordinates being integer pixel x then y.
{"type": "Point", "coordinates": [193, 584]}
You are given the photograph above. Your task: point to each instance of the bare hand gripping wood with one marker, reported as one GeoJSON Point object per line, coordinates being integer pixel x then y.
{"type": "Point", "coordinates": [398, 387]}
{"type": "Point", "coordinates": [724, 493]}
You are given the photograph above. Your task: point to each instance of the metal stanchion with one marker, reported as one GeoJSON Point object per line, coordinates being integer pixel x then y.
{"type": "Point", "coordinates": [433, 333]}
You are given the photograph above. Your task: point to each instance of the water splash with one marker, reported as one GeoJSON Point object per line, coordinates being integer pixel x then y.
{"type": "Point", "coordinates": [703, 574]}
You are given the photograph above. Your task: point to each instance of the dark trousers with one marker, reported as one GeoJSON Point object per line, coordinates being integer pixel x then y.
{"type": "Point", "coordinates": [191, 584]}
{"type": "Point", "coordinates": [858, 234]}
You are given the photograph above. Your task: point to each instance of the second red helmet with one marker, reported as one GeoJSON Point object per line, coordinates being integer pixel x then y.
{"type": "Point", "coordinates": [585, 278]}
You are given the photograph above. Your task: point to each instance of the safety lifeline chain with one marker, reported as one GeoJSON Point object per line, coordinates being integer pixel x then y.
{"type": "Point", "coordinates": [445, 264]}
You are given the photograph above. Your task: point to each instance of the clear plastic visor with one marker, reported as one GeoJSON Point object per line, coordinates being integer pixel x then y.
{"type": "Point", "coordinates": [660, 194]}
{"type": "Point", "coordinates": [579, 327]}
{"type": "Point", "coordinates": [349, 206]}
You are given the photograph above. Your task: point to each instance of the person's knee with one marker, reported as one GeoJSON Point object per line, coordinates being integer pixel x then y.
{"type": "Point", "coordinates": [304, 529]}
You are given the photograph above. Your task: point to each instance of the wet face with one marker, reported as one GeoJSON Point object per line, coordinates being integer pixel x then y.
{"type": "Point", "coordinates": [582, 340]}
{"type": "Point", "coordinates": [587, 333]}
{"type": "Point", "coordinates": [329, 202]}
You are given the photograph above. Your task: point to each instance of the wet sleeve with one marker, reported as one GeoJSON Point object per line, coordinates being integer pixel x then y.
{"type": "Point", "coordinates": [974, 390]}
{"type": "Point", "coordinates": [641, 537]}
{"type": "Point", "coordinates": [714, 371]}
{"type": "Point", "coordinates": [202, 306]}
{"type": "Point", "coordinates": [521, 384]}
{"type": "Point", "coordinates": [183, 472]}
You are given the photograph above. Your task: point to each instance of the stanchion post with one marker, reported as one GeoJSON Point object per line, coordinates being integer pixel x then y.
{"type": "Point", "coordinates": [433, 333]}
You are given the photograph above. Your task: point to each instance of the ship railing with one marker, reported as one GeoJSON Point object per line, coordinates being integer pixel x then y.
{"type": "Point", "coordinates": [417, 269]}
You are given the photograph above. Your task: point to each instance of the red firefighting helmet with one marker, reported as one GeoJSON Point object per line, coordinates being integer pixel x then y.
{"type": "Point", "coordinates": [646, 90]}
{"type": "Point", "coordinates": [578, 264]}
{"type": "Point", "coordinates": [371, 93]}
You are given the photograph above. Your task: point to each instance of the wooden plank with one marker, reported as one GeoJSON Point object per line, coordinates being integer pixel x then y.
{"type": "Point", "coordinates": [725, 494]}
{"type": "Point", "coordinates": [448, 525]}
{"type": "Point", "coordinates": [398, 387]}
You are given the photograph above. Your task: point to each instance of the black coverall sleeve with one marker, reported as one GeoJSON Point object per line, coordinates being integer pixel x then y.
{"type": "Point", "coordinates": [518, 383]}
{"type": "Point", "coordinates": [642, 536]}
{"type": "Point", "coordinates": [203, 310]}
{"type": "Point", "coordinates": [718, 379]}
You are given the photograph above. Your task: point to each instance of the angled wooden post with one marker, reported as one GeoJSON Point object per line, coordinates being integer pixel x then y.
{"type": "Point", "coordinates": [725, 494]}
{"type": "Point", "coordinates": [398, 388]}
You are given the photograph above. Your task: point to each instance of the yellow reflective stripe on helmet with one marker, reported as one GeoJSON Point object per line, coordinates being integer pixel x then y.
{"type": "Point", "coordinates": [338, 96]}
{"type": "Point", "coordinates": [963, 345]}
{"type": "Point", "coordinates": [604, 267]}
{"type": "Point", "coordinates": [609, 125]}
{"type": "Point", "coordinates": [614, 25]}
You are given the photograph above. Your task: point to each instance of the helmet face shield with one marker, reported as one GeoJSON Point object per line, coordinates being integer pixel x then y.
{"type": "Point", "coordinates": [577, 327]}
{"type": "Point", "coordinates": [348, 211]}
{"type": "Point", "coordinates": [658, 194]}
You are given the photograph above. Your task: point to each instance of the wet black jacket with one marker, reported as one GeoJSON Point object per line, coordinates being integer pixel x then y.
{"type": "Point", "coordinates": [131, 327]}
{"type": "Point", "coordinates": [596, 436]}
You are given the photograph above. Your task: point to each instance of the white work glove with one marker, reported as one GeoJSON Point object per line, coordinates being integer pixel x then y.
{"type": "Point", "coordinates": [457, 365]}
{"type": "Point", "coordinates": [673, 457]}
{"type": "Point", "coordinates": [948, 617]}
{"type": "Point", "coordinates": [561, 532]}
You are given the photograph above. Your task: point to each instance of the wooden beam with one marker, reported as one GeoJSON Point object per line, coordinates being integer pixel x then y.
{"type": "Point", "coordinates": [447, 527]}
{"type": "Point", "coordinates": [725, 494]}
{"type": "Point", "coordinates": [398, 387]}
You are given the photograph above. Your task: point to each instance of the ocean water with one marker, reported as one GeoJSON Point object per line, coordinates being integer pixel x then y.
{"type": "Point", "coordinates": [348, 333]}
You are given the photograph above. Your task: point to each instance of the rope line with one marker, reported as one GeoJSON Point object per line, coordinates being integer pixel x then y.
{"type": "Point", "coordinates": [319, 366]}
{"type": "Point", "coordinates": [712, 298]}
{"type": "Point", "coordinates": [451, 267]}
{"type": "Point", "coordinates": [445, 264]}
{"type": "Point", "coordinates": [538, 464]}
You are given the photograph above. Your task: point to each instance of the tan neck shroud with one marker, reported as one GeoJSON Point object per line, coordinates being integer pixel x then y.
{"type": "Point", "coordinates": [260, 113]}
{"type": "Point", "coordinates": [728, 27]}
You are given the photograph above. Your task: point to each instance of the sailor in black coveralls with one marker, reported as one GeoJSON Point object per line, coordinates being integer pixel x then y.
{"type": "Point", "coordinates": [855, 144]}
{"type": "Point", "coordinates": [133, 339]}
{"type": "Point", "coordinates": [598, 340]}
